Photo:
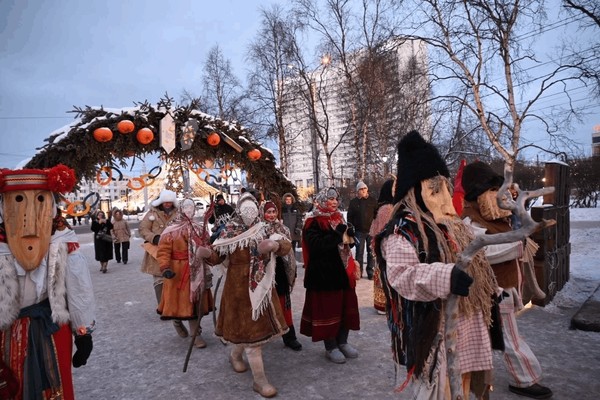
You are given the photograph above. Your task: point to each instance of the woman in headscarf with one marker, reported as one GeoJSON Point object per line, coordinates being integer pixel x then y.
{"type": "Point", "coordinates": [285, 272]}
{"type": "Point", "coordinates": [330, 306]}
{"type": "Point", "coordinates": [250, 314]}
{"type": "Point", "coordinates": [181, 253]}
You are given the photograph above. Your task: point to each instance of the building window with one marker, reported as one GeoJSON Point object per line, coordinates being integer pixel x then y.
{"type": "Point", "coordinates": [299, 183]}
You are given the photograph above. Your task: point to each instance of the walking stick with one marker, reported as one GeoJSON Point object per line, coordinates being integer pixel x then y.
{"type": "Point", "coordinates": [195, 333]}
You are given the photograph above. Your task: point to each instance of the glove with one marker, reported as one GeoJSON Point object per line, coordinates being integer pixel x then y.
{"type": "Point", "coordinates": [267, 246]}
{"type": "Point", "coordinates": [168, 274]}
{"type": "Point", "coordinates": [84, 349]}
{"type": "Point", "coordinates": [340, 229]}
{"type": "Point", "coordinates": [203, 252]}
{"type": "Point", "coordinates": [350, 230]}
{"type": "Point", "coordinates": [156, 239]}
{"type": "Point", "coordinates": [460, 282]}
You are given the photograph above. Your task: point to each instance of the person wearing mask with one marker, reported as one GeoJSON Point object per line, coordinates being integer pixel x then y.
{"type": "Point", "coordinates": [163, 210]}
{"type": "Point", "coordinates": [481, 210]}
{"type": "Point", "coordinates": [103, 245]}
{"type": "Point", "coordinates": [292, 218]}
{"type": "Point", "coordinates": [46, 293]}
{"type": "Point", "coordinates": [121, 235]}
{"type": "Point", "coordinates": [416, 254]}
{"type": "Point", "coordinates": [361, 212]}
{"type": "Point", "coordinates": [330, 305]}
{"type": "Point", "coordinates": [285, 272]}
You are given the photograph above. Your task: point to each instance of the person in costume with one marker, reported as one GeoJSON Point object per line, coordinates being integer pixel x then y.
{"type": "Point", "coordinates": [163, 211]}
{"type": "Point", "coordinates": [181, 253]}
{"type": "Point", "coordinates": [285, 272]}
{"type": "Point", "coordinates": [385, 204]}
{"type": "Point", "coordinates": [481, 210]}
{"type": "Point", "coordinates": [250, 314]}
{"type": "Point", "coordinates": [416, 254]}
{"type": "Point", "coordinates": [330, 306]}
{"type": "Point", "coordinates": [46, 293]}
{"type": "Point", "coordinates": [103, 249]}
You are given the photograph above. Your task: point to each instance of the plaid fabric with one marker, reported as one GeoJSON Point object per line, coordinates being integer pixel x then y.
{"type": "Point", "coordinates": [426, 282]}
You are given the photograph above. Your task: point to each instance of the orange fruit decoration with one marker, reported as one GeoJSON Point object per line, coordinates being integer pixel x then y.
{"type": "Point", "coordinates": [213, 139]}
{"type": "Point", "coordinates": [145, 136]}
{"type": "Point", "coordinates": [254, 154]}
{"type": "Point", "coordinates": [103, 135]}
{"type": "Point", "coordinates": [125, 126]}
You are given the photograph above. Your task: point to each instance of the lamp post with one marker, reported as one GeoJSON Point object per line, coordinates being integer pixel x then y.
{"type": "Point", "coordinates": [385, 167]}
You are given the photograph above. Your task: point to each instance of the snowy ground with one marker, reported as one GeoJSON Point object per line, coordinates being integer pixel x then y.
{"type": "Point", "coordinates": [137, 356]}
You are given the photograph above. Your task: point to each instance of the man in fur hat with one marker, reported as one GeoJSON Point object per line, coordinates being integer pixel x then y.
{"type": "Point", "coordinates": [481, 185]}
{"type": "Point", "coordinates": [46, 294]}
{"type": "Point", "coordinates": [417, 253]}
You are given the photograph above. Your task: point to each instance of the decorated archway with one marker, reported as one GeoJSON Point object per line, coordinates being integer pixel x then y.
{"type": "Point", "coordinates": [102, 140]}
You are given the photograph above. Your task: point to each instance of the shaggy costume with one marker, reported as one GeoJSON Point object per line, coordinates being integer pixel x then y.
{"type": "Point", "coordinates": [330, 305]}
{"type": "Point", "coordinates": [524, 369]}
{"type": "Point", "coordinates": [42, 308]}
{"type": "Point", "coordinates": [416, 257]}
{"type": "Point", "coordinates": [383, 214]}
{"type": "Point", "coordinates": [178, 252]}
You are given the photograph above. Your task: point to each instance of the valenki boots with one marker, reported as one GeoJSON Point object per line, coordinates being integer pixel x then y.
{"type": "Point", "coordinates": [236, 359]}
{"type": "Point", "coordinates": [198, 341]}
{"type": "Point", "coordinates": [180, 328]}
{"type": "Point", "coordinates": [261, 385]}
{"type": "Point", "coordinates": [290, 340]}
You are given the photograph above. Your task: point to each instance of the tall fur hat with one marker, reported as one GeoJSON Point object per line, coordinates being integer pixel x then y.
{"type": "Point", "coordinates": [166, 196]}
{"type": "Point", "coordinates": [477, 178]}
{"type": "Point", "coordinates": [417, 160]}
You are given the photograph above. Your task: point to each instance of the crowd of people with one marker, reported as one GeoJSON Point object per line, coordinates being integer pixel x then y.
{"type": "Point", "coordinates": [407, 240]}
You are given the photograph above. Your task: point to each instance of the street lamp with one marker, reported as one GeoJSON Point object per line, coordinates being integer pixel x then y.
{"type": "Point", "coordinates": [385, 167]}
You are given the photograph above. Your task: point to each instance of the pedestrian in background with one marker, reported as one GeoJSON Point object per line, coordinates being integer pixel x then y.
{"type": "Point", "coordinates": [361, 212]}
{"type": "Point", "coordinates": [221, 214]}
{"type": "Point", "coordinates": [103, 249]}
{"type": "Point", "coordinates": [121, 235]}
{"type": "Point", "coordinates": [292, 218]}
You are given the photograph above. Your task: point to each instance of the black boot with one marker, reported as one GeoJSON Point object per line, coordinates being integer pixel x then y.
{"type": "Point", "coordinates": [289, 339]}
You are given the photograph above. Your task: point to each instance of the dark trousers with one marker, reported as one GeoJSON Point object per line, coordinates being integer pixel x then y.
{"type": "Point", "coordinates": [121, 255]}
{"type": "Point", "coordinates": [362, 240]}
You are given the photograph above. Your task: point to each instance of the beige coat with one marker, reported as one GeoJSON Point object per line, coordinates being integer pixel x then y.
{"type": "Point", "coordinates": [154, 223]}
{"type": "Point", "coordinates": [120, 231]}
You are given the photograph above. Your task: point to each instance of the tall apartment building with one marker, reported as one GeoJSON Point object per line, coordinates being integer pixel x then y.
{"type": "Point", "coordinates": [386, 107]}
{"type": "Point", "coordinates": [596, 141]}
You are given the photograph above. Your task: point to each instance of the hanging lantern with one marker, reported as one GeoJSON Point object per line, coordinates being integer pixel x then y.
{"type": "Point", "coordinates": [145, 136]}
{"type": "Point", "coordinates": [103, 135]}
{"type": "Point", "coordinates": [213, 139]}
{"type": "Point", "coordinates": [254, 154]}
{"type": "Point", "coordinates": [125, 126]}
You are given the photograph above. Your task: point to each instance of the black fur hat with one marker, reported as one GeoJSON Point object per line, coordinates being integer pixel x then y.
{"type": "Point", "coordinates": [417, 160]}
{"type": "Point", "coordinates": [477, 178]}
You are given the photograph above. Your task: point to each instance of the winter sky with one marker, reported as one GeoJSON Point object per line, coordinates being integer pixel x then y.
{"type": "Point", "coordinates": [58, 54]}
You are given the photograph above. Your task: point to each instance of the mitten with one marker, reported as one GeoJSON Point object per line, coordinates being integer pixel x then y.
{"type": "Point", "coordinates": [156, 239]}
{"type": "Point", "coordinates": [267, 246]}
{"type": "Point", "coordinates": [350, 230]}
{"type": "Point", "coordinates": [84, 349]}
{"type": "Point", "coordinates": [203, 252]}
{"type": "Point", "coordinates": [340, 229]}
{"type": "Point", "coordinates": [460, 282]}
{"type": "Point", "coordinates": [168, 274]}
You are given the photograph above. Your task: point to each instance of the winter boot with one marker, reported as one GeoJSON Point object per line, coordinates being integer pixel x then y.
{"type": "Point", "coordinates": [236, 359]}
{"type": "Point", "coordinates": [180, 328]}
{"type": "Point", "coordinates": [260, 385]}
{"type": "Point", "coordinates": [104, 266]}
{"type": "Point", "coordinates": [158, 291]}
{"type": "Point", "coordinates": [198, 341]}
{"type": "Point", "coordinates": [290, 340]}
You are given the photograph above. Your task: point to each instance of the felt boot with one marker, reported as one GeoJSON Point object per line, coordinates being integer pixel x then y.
{"type": "Point", "coordinates": [290, 340]}
{"type": "Point", "coordinates": [198, 341]}
{"type": "Point", "coordinates": [260, 385]}
{"type": "Point", "coordinates": [180, 328]}
{"type": "Point", "coordinates": [158, 291]}
{"type": "Point", "coordinates": [236, 359]}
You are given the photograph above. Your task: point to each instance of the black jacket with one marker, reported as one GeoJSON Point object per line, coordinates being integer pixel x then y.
{"type": "Point", "coordinates": [361, 213]}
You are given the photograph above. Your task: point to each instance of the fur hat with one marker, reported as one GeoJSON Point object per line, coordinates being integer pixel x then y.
{"type": "Point", "coordinates": [166, 196]}
{"type": "Point", "coordinates": [219, 197]}
{"type": "Point", "coordinates": [386, 194]}
{"type": "Point", "coordinates": [477, 178]}
{"type": "Point", "coordinates": [361, 185]}
{"type": "Point", "coordinates": [417, 160]}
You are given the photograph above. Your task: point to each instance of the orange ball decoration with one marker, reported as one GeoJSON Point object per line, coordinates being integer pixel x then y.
{"type": "Point", "coordinates": [125, 126]}
{"type": "Point", "coordinates": [145, 136]}
{"type": "Point", "coordinates": [103, 135]}
{"type": "Point", "coordinates": [213, 139]}
{"type": "Point", "coordinates": [254, 154]}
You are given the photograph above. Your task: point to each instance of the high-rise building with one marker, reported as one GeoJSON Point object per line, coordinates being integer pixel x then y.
{"type": "Point", "coordinates": [596, 141]}
{"type": "Point", "coordinates": [384, 96]}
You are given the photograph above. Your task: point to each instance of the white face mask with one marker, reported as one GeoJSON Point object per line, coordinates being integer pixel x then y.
{"type": "Point", "coordinates": [437, 198]}
{"type": "Point", "coordinates": [248, 212]}
{"type": "Point", "coordinates": [188, 208]}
